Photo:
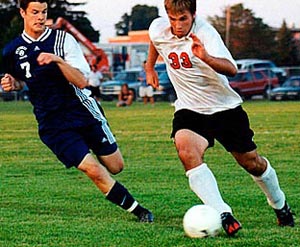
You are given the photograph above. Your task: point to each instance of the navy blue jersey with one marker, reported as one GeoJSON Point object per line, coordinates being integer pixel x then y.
{"type": "Point", "coordinates": [57, 103]}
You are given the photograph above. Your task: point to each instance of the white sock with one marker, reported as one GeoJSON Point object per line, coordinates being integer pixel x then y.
{"type": "Point", "coordinates": [268, 182]}
{"type": "Point", "coordinates": [204, 185]}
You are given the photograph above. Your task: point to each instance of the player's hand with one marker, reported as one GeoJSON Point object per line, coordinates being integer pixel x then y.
{"type": "Point", "coordinates": [198, 48]}
{"type": "Point", "coordinates": [47, 58]}
{"type": "Point", "coordinates": [152, 78]}
{"type": "Point", "coordinates": [8, 83]}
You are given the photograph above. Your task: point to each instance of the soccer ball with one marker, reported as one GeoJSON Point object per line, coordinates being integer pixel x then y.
{"type": "Point", "coordinates": [201, 221]}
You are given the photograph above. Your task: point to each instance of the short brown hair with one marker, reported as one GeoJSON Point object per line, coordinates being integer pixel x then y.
{"type": "Point", "coordinates": [179, 6]}
{"type": "Point", "coordinates": [23, 4]}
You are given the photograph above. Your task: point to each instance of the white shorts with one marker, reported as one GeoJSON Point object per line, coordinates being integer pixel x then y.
{"type": "Point", "coordinates": [146, 91]}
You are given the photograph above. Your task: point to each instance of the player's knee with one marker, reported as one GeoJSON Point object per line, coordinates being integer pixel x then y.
{"type": "Point", "coordinates": [92, 170]}
{"type": "Point", "coordinates": [117, 168]}
{"type": "Point", "coordinates": [114, 165]}
{"type": "Point", "coordinates": [189, 158]}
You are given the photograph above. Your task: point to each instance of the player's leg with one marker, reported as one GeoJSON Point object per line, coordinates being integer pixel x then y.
{"type": "Point", "coordinates": [114, 191]}
{"type": "Point", "coordinates": [114, 162]}
{"type": "Point", "coordinates": [237, 137]}
{"type": "Point", "coordinates": [191, 147]}
{"type": "Point", "coordinates": [266, 178]}
{"type": "Point", "coordinates": [97, 173]}
{"type": "Point", "coordinates": [100, 139]}
{"type": "Point", "coordinates": [71, 148]}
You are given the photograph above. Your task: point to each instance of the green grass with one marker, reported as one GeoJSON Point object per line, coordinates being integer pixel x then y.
{"type": "Point", "coordinates": [44, 204]}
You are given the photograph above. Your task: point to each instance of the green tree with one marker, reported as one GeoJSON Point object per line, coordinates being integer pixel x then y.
{"type": "Point", "coordinates": [142, 16]}
{"type": "Point", "coordinates": [140, 19]}
{"type": "Point", "coordinates": [124, 26]}
{"type": "Point", "coordinates": [249, 36]}
{"type": "Point", "coordinates": [286, 47]}
{"type": "Point", "coordinates": [11, 24]}
{"type": "Point", "coordinates": [63, 8]}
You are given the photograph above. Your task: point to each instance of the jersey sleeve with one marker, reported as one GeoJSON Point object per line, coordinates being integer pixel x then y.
{"type": "Point", "coordinates": [74, 55]}
{"type": "Point", "coordinates": [215, 46]}
{"type": "Point", "coordinates": [157, 29]}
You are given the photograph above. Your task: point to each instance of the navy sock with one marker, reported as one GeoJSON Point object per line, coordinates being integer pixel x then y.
{"type": "Point", "coordinates": [120, 196]}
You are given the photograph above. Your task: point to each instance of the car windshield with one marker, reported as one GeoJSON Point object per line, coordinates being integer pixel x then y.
{"type": "Point", "coordinates": [294, 82]}
{"type": "Point", "coordinates": [126, 76]}
{"type": "Point", "coordinates": [121, 76]}
{"type": "Point", "coordinates": [263, 65]}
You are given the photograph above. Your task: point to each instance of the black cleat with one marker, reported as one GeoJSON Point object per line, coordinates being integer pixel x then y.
{"type": "Point", "coordinates": [146, 216]}
{"type": "Point", "coordinates": [285, 216]}
{"type": "Point", "coordinates": [230, 224]}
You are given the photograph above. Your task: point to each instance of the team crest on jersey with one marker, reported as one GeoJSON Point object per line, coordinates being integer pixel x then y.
{"type": "Point", "coordinates": [21, 51]}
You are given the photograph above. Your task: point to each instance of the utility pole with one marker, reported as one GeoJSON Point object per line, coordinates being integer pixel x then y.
{"type": "Point", "coordinates": [228, 17]}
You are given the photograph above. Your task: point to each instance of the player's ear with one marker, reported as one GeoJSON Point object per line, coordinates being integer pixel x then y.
{"type": "Point", "coordinates": [22, 12]}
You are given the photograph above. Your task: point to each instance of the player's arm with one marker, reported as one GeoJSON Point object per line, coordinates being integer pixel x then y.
{"type": "Point", "coordinates": [73, 75]}
{"type": "Point", "coordinates": [74, 65]}
{"type": "Point", "coordinates": [220, 65]}
{"type": "Point", "coordinates": [151, 75]}
{"type": "Point", "coordinates": [9, 83]}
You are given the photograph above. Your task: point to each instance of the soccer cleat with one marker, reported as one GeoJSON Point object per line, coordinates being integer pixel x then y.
{"type": "Point", "coordinates": [146, 216]}
{"type": "Point", "coordinates": [230, 224]}
{"type": "Point", "coordinates": [285, 216]}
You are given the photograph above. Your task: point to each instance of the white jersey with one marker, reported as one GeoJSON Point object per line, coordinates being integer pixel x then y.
{"type": "Point", "coordinates": [198, 87]}
{"type": "Point", "coordinates": [74, 55]}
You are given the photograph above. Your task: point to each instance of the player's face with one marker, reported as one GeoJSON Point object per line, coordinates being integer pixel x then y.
{"type": "Point", "coordinates": [35, 17]}
{"type": "Point", "coordinates": [181, 23]}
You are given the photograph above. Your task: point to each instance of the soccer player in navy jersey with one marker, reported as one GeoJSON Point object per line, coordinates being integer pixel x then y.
{"type": "Point", "coordinates": [70, 122]}
{"type": "Point", "coordinates": [207, 108]}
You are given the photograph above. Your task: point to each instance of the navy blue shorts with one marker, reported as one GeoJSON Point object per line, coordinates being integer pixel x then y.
{"type": "Point", "coordinates": [231, 128]}
{"type": "Point", "coordinates": [72, 145]}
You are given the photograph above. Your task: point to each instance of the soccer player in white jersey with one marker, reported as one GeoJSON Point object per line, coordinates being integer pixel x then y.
{"type": "Point", "coordinates": [207, 109]}
{"type": "Point", "coordinates": [70, 122]}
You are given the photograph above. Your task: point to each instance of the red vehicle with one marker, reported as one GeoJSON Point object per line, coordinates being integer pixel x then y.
{"type": "Point", "coordinates": [253, 82]}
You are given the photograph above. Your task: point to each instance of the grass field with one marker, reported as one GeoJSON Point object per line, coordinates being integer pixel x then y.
{"type": "Point", "coordinates": [44, 204]}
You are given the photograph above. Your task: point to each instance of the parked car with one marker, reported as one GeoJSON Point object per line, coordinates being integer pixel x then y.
{"type": "Point", "coordinates": [110, 89]}
{"type": "Point", "coordinates": [249, 64]}
{"type": "Point", "coordinates": [290, 90]}
{"type": "Point", "coordinates": [248, 83]}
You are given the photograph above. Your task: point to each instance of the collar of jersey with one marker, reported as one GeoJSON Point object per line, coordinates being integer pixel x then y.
{"type": "Point", "coordinates": [42, 37]}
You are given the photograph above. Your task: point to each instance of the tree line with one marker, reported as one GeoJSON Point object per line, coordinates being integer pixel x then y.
{"type": "Point", "coordinates": [246, 35]}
